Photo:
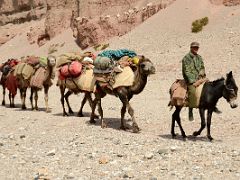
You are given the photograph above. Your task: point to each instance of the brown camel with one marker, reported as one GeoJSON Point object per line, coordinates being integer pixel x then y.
{"type": "Point", "coordinates": [144, 68]}
{"type": "Point", "coordinates": [49, 75]}
{"type": "Point", "coordinates": [8, 80]}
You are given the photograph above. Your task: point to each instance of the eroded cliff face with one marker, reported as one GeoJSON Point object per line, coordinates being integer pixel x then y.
{"type": "Point", "coordinates": [226, 2]}
{"type": "Point", "coordinates": [14, 13]}
{"type": "Point", "coordinates": [92, 21]}
{"type": "Point", "coordinates": [93, 30]}
{"type": "Point", "coordinates": [20, 11]}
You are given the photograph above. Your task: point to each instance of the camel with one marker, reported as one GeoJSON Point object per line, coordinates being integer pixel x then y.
{"type": "Point", "coordinates": [49, 75]}
{"type": "Point", "coordinates": [144, 68]}
{"type": "Point", "coordinates": [63, 85]}
{"type": "Point", "coordinates": [8, 80]}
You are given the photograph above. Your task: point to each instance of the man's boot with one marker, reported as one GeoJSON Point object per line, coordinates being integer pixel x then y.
{"type": "Point", "coordinates": [190, 114]}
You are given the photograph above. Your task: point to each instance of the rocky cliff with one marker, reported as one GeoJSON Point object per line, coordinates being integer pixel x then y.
{"type": "Point", "coordinates": [92, 21]}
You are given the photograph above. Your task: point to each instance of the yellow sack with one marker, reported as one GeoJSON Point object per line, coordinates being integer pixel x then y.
{"type": "Point", "coordinates": [84, 82]}
{"type": "Point", "coordinates": [27, 71]}
{"type": "Point", "coordinates": [67, 58]}
{"type": "Point", "coordinates": [18, 69]}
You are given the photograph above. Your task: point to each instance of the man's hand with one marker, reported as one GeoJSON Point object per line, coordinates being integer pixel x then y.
{"type": "Point", "coordinates": [200, 81]}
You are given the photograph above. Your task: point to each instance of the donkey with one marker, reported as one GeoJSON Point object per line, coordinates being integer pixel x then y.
{"type": "Point", "coordinates": [211, 93]}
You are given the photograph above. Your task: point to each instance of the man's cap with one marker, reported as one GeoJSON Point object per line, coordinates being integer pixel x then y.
{"type": "Point", "coordinates": [194, 44]}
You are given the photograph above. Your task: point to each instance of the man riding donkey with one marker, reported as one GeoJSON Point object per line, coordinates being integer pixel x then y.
{"type": "Point", "coordinates": [193, 71]}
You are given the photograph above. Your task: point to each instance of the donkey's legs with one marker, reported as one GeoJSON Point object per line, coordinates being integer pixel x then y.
{"type": "Point", "coordinates": [46, 88]}
{"type": "Point", "coordinates": [31, 98]}
{"type": "Point", "coordinates": [178, 119]}
{"type": "Point", "coordinates": [209, 118]}
{"type": "Point", "coordinates": [62, 91]}
{"type": "Point", "coordinates": [66, 97]}
{"type": "Point", "coordinates": [4, 93]}
{"type": "Point", "coordinates": [203, 122]}
{"type": "Point", "coordinates": [174, 117]}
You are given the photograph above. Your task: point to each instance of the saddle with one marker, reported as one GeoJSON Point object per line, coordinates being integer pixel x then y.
{"type": "Point", "coordinates": [179, 92]}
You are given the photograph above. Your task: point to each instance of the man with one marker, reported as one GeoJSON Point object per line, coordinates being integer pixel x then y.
{"type": "Point", "coordinates": [193, 71]}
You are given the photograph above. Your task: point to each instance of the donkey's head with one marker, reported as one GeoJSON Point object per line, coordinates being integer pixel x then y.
{"type": "Point", "coordinates": [230, 90]}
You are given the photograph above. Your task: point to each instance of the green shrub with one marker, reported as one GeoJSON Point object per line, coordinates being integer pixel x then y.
{"type": "Point", "coordinates": [204, 21]}
{"type": "Point", "coordinates": [198, 24]}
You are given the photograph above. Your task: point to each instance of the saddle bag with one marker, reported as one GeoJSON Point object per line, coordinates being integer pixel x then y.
{"type": "Point", "coordinates": [178, 93]}
{"type": "Point", "coordinates": [71, 70]}
{"type": "Point", "coordinates": [38, 78]}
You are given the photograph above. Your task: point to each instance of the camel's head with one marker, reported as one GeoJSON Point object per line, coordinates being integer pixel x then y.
{"type": "Point", "coordinates": [146, 66]}
{"type": "Point", "coordinates": [51, 60]}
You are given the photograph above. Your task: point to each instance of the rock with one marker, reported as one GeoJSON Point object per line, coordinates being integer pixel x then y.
{"type": "Point", "coordinates": [51, 153]}
{"type": "Point", "coordinates": [42, 174]}
{"type": "Point", "coordinates": [149, 155]}
{"type": "Point", "coordinates": [11, 136]}
{"type": "Point", "coordinates": [128, 174]}
{"type": "Point", "coordinates": [153, 178]}
{"type": "Point", "coordinates": [69, 176]}
{"type": "Point", "coordinates": [174, 148]}
{"type": "Point", "coordinates": [162, 151]}
{"type": "Point", "coordinates": [22, 136]}
{"type": "Point", "coordinates": [103, 160]}
{"type": "Point", "coordinates": [1, 144]}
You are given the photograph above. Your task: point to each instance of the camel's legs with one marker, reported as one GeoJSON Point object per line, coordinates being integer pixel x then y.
{"type": "Point", "coordinates": [85, 98]}
{"type": "Point", "coordinates": [131, 113]}
{"type": "Point", "coordinates": [100, 110]}
{"type": "Point", "coordinates": [10, 100]}
{"type": "Point", "coordinates": [95, 101]}
{"type": "Point", "coordinates": [4, 93]}
{"type": "Point", "coordinates": [123, 111]}
{"type": "Point", "coordinates": [23, 97]}
{"type": "Point", "coordinates": [13, 104]}
{"type": "Point", "coordinates": [31, 98]}
{"type": "Point", "coordinates": [66, 97]}
{"type": "Point", "coordinates": [46, 88]}
{"type": "Point", "coordinates": [62, 91]}
{"type": "Point", "coordinates": [36, 99]}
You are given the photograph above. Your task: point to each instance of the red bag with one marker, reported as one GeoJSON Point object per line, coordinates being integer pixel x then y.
{"type": "Point", "coordinates": [71, 70]}
{"type": "Point", "coordinates": [13, 62]}
{"type": "Point", "coordinates": [75, 68]}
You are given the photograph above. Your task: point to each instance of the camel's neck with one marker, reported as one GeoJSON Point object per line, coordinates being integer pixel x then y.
{"type": "Point", "coordinates": [140, 82]}
{"type": "Point", "coordinates": [49, 72]}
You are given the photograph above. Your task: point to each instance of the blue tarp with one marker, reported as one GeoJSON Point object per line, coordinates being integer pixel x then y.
{"type": "Point", "coordinates": [117, 54]}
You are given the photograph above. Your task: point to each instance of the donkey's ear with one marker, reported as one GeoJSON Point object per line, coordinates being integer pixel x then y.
{"type": "Point", "coordinates": [229, 75]}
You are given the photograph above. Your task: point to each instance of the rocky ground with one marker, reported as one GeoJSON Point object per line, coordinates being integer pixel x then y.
{"type": "Point", "coordinates": [47, 145]}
